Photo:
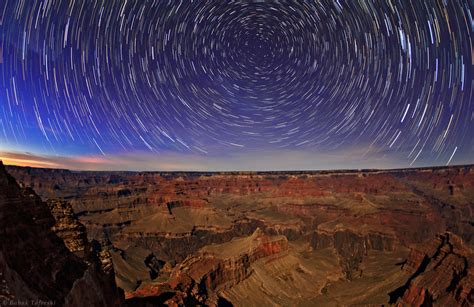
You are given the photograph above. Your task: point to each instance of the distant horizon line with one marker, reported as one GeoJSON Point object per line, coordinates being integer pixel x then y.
{"type": "Point", "coordinates": [334, 170]}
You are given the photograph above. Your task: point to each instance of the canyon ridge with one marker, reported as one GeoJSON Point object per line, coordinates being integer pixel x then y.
{"type": "Point", "coordinates": [316, 238]}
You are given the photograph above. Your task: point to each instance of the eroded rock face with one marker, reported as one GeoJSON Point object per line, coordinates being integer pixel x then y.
{"type": "Point", "coordinates": [35, 264]}
{"type": "Point", "coordinates": [441, 273]}
{"type": "Point", "coordinates": [67, 227]}
{"type": "Point", "coordinates": [221, 266]}
{"type": "Point", "coordinates": [201, 276]}
{"type": "Point", "coordinates": [352, 247]}
{"type": "Point", "coordinates": [346, 231]}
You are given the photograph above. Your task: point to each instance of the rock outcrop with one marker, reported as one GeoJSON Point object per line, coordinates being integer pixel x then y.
{"type": "Point", "coordinates": [441, 274]}
{"type": "Point", "coordinates": [67, 227]}
{"type": "Point", "coordinates": [36, 266]}
{"type": "Point", "coordinates": [347, 233]}
{"type": "Point", "coordinates": [201, 276]}
{"type": "Point", "coordinates": [352, 247]}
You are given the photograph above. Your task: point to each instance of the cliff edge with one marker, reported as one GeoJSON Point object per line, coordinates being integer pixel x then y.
{"type": "Point", "coordinates": [36, 266]}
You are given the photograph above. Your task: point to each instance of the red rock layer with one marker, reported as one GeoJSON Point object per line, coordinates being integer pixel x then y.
{"type": "Point", "coordinates": [442, 274]}
{"type": "Point", "coordinates": [200, 276]}
{"type": "Point", "coordinates": [351, 212]}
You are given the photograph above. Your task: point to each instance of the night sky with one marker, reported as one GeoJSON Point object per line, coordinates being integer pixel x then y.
{"type": "Point", "coordinates": [236, 85]}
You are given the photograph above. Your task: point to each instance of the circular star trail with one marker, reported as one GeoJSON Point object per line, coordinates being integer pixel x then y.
{"type": "Point", "coordinates": [211, 77]}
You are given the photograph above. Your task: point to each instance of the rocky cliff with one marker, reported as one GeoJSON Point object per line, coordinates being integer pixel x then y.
{"type": "Point", "coordinates": [36, 266]}
{"type": "Point", "coordinates": [441, 274]}
{"type": "Point", "coordinates": [200, 277]}
{"type": "Point", "coordinates": [351, 247]}
{"type": "Point", "coordinates": [346, 233]}
{"type": "Point", "coordinates": [67, 227]}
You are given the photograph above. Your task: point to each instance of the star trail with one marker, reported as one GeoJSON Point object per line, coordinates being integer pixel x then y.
{"type": "Point", "coordinates": [390, 78]}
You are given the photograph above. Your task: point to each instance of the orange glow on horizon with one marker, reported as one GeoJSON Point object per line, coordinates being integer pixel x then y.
{"type": "Point", "coordinates": [27, 162]}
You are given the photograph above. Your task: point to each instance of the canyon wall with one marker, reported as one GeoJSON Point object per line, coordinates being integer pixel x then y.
{"type": "Point", "coordinates": [36, 265]}
{"type": "Point", "coordinates": [344, 232]}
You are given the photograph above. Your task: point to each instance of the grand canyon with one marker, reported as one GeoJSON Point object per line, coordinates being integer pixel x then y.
{"type": "Point", "coordinates": [236, 153]}
{"type": "Point", "coordinates": [326, 238]}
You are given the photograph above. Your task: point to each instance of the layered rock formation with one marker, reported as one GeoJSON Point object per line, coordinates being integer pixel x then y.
{"type": "Point", "coordinates": [351, 247]}
{"type": "Point", "coordinates": [200, 277]}
{"type": "Point", "coordinates": [441, 273]}
{"type": "Point", "coordinates": [347, 233]}
{"type": "Point", "coordinates": [36, 266]}
{"type": "Point", "coordinates": [67, 227]}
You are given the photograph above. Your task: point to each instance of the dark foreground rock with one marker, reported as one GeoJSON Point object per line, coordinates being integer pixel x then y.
{"type": "Point", "coordinates": [36, 266]}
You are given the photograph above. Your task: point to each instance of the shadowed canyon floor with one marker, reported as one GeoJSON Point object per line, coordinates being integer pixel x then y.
{"type": "Point", "coordinates": [259, 239]}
